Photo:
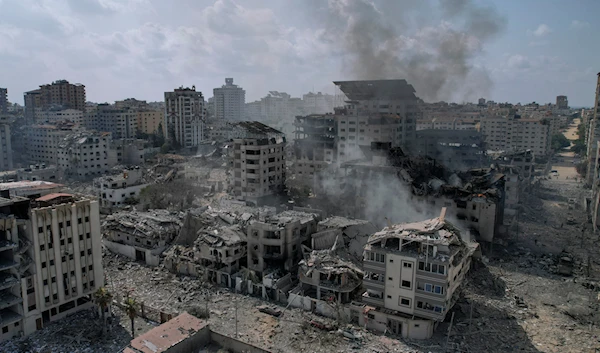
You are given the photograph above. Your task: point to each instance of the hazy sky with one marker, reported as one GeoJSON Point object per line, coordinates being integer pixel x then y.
{"type": "Point", "coordinates": [508, 50]}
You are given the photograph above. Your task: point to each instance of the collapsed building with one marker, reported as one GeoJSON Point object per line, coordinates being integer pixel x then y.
{"type": "Point", "coordinates": [412, 275]}
{"type": "Point", "coordinates": [389, 179]}
{"type": "Point", "coordinates": [518, 169]}
{"type": "Point", "coordinates": [351, 234]}
{"type": "Point", "coordinates": [141, 236]}
{"type": "Point", "coordinates": [461, 149]}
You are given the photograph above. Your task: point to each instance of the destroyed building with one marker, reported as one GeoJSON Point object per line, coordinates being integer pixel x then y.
{"type": "Point", "coordinates": [324, 275]}
{"type": "Point", "coordinates": [258, 163]}
{"type": "Point", "coordinates": [376, 111]}
{"type": "Point", "coordinates": [352, 232]}
{"type": "Point", "coordinates": [474, 198]}
{"type": "Point", "coordinates": [142, 236]}
{"type": "Point", "coordinates": [461, 149]}
{"type": "Point", "coordinates": [84, 154]}
{"type": "Point", "coordinates": [275, 243]}
{"type": "Point", "coordinates": [122, 189]}
{"type": "Point", "coordinates": [221, 252]}
{"type": "Point", "coordinates": [413, 272]}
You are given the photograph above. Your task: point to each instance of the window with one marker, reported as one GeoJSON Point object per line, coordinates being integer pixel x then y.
{"type": "Point", "coordinates": [5, 329]}
{"type": "Point", "coordinates": [389, 297]}
{"type": "Point", "coordinates": [51, 262]}
{"type": "Point", "coordinates": [371, 316]}
{"type": "Point", "coordinates": [406, 284]}
{"type": "Point", "coordinates": [53, 279]}
{"type": "Point", "coordinates": [42, 247]}
{"type": "Point", "coordinates": [404, 301]}
{"type": "Point", "coordinates": [45, 282]}
{"type": "Point", "coordinates": [407, 264]}
{"type": "Point", "coordinates": [390, 279]}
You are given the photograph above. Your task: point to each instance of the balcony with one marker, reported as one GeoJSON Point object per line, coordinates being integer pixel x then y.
{"type": "Point", "coordinates": [7, 280]}
{"type": "Point", "coordinates": [7, 299]}
{"type": "Point", "coordinates": [6, 245]}
{"type": "Point", "coordinates": [6, 264]}
{"type": "Point", "coordinates": [372, 300]}
{"type": "Point", "coordinates": [8, 317]}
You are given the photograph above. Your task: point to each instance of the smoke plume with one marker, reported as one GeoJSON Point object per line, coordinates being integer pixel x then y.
{"type": "Point", "coordinates": [432, 44]}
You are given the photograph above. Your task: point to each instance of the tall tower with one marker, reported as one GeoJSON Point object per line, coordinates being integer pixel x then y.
{"type": "Point", "coordinates": [229, 101]}
{"type": "Point", "coordinates": [184, 117]}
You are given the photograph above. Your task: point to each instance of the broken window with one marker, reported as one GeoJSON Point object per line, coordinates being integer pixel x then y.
{"type": "Point", "coordinates": [406, 284]}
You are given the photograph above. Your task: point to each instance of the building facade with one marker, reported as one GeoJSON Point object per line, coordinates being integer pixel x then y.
{"type": "Point", "coordinates": [43, 141]}
{"type": "Point", "coordinates": [149, 121]}
{"type": "Point", "coordinates": [120, 122]}
{"type": "Point", "coordinates": [84, 155]}
{"type": "Point", "coordinates": [58, 93]}
{"type": "Point", "coordinates": [258, 162]}
{"type": "Point", "coordinates": [513, 133]}
{"type": "Point", "coordinates": [184, 117]}
{"type": "Point", "coordinates": [229, 101]}
{"type": "Point", "coordinates": [6, 153]}
{"type": "Point", "coordinates": [3, 100]}
{"type": "Point", "coordinates": [562, 102]}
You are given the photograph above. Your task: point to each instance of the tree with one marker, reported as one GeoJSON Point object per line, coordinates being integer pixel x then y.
{"type": "Point", "coordinates": [131, 311]}
{"type": "Point", "coordinates": [559, 141]}
{"type": "Point", "coordinates": [103, 297]}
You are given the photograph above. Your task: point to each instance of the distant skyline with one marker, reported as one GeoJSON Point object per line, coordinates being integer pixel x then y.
{"type": "Point", "coordinates": [120, 49]}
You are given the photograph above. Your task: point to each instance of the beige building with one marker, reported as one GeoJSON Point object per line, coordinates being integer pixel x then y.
{"type": "Point", "coordinates": [6, 154]}
{"type": "Point", "coordinates": [513, 133]}
{"type": "Point", "coordinates": [258, 162]}
{"type": "Point", "coordinates": [58, 93]}
{"type": "Point", "coordinates": [120, 122]}
{"type": "Point", "coordinates": [149, 121]}
{"type": "Point", "coordinates": [51, 261]}
{"type": "Point", "coordinates": [415, 269]}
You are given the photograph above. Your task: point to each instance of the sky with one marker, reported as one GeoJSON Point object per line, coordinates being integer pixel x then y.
{"type": "Point", "coordinates": [452, 50]}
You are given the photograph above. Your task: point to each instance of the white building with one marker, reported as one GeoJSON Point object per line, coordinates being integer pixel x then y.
{"type": "Point", "coordinates": [413, 271]}
{"type": "Point", "coordinates": [43, 141]}
{"type": "Point", "coordinates": [84, 155]}
{"type": "Point", "coordinates": [6, 154]}
{"type": "Point", "coordinates": [184, 117]}
{"type": "Point", "coordinates": [229, 101]}
{"type": "Point", "coordinates": [116, 191]}
{"type": "Point", "coordinates": [53, 116]}
{"type": "Point", "coordinates": [258, 162]}
{"type": "Point", "coordinates": [318, 103]}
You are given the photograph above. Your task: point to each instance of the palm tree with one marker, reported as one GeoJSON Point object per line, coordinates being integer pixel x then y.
{"type": "Point", "coordinates": [103, 297]}
{"type": "Point", "coordinates": [131, 305]}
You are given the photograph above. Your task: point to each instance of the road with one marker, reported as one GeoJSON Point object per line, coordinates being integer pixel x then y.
{"type": "Point", "coordinates": [564, 162]}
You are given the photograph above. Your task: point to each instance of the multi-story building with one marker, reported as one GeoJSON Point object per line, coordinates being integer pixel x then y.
{"type": "Point", "coordinates": [84, 154]}
{"type": "Point", "coordinates": [50, 260]}
{"type": "Point", "coordinates": [3, 100]}
{"type": "Point", "coordinates": [121, 123]}
{"type": "Point", "coordinates": [562, 102]}
{"type": "Point", "coordinates": [314, 145]}
{"type": "Point", "coordinates": [258, 162]}
{"type": "Point", "coordinates": [318, 103]}
{"type": "Point", "coordinates": [43, 141]}
{"type": "Point", "coordinates": [6, 153]}
{"type": "Point", "coordinates": [413, 271]}
{"type": "Point", "coordinates": [184, 117]}
{"type": "Point", "coordinates": [116, 191]}
{"type": "Point", "coordinates": [131, 103]}
{"type": "Point", "coordinates": [131, 152]}
{"type": "Point", "coordinates": [222, 253]}
{"type": "Point", "coordinates": [54, 116]}
{"type": "Point", "coordinates": [513, 133]}
{"type": "Point", "coordinates": [459, 149]}
{"type": "Point", "coordinates": [149, 121]}
{"type": "Point", "coordinates": [275, 243]}
{"type": "Point", "coordinates": [58, 93]}
{"type": "Point", "coordinates": [229, 101]}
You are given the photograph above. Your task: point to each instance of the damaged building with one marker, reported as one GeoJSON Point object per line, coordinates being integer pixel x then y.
{"type": "Point", "coordinates": [221, 252]}
{"type": "Point", "coordinates": [352, 233]}
{"type": "Point", "coordinates": [258, 162]}
{"type": "Point", "coordinates": [274, 245]}
{"type": "Point", "coordinates": [141, 236]}
{"type": "Point", "coordinates": [461, 149]}
{"type": "Point", "coordinates": [412, 275]}
{"type": "Point", "coordinates": [474, 198]}
{"type": "Point", "coordinates": [122, 189]}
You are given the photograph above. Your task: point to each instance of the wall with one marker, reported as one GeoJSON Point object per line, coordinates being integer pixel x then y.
{"type": "Point", "coordinates": [234, 344]}
{"type": "Point", "coordinates": [152, 257]}
{"type": "Point", "coordinates": [199, 339]}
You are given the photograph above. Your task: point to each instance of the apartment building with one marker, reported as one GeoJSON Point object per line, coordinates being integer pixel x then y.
{"type": "Point", "coordinates": [115, 191]}
{"type": "Point", "coordinates": [314, 145]}
{"type": "Point", "coordinates": [43, 141]}
{"type": "Point", "coordinates": [58, 93]}
{"type": "Point", "coordinates": [149, 121]}
{"type": "Point", "coordinates": [3, 100]}
{"type": "Point", "coordinates": [6, 153]}
{"type": "Point", "coordinates": [131, 103]}
{"type": "Point", "coordinates": [84, 154]}
{"type": "Point", "coordinates": [50, 260]}
{"type": "Point", "coordinates": [130, 152]}
{"type": "Point", "coordinates": [120, 122]}
{"type": "Point", "coordinates": [318, 103]}
{"type": "Point", "coordinates": [53, 116]}
{"type": "Point", "coordinates": [229, 101]}
{"type": "Point", "coordinates": [562, 102]}
{"type": "Point", "coordinates": [414, 270]}
{"type": "Point", "coordinates": [222, 253]}
{"type": "Point", "coordinates": [275, 243]}
{"type": "Point", "coordinates": [258, 162]}
{"type": "Point", "coordinates": [184, 117]}
{"type": "Point", "coordinates": [514, 133]}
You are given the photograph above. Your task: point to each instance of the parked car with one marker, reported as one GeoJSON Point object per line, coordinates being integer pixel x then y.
{"type": "Point", "coordinates": [271, 310]}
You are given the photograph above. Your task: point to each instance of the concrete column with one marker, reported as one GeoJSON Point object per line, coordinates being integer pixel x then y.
{"type": "Point", "coordinates": [76, 249]}
{"type": "Point", "coordinates": [96, 239]}
{"type": "Point", "coordinates": [57, 258]}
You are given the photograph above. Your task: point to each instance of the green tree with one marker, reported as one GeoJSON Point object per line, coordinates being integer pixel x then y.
{"type": "Point", "coordinates": [559, 141]}
{"type": "Point", "coordinates": [131, 306]}
{"type": "Point", "coordinates": [103, 297]}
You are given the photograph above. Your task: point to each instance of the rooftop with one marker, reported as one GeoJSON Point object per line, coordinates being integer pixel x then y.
{"type": "Point", "coordinates": [153, 223]}
{"type": "Point", "coordinates": [167, 335]}
{"type": "Point", "coordinates": [377, 89]}
{"type": "Point", "coordinates": [29, 185]}
{"type": "Point", "coordinates": [54, 196]}
{"type": "Point", "coordinates": [221, 236]}
{"type": "Point", "coordinates": [256, 127]}
{"type": "Point", "coordinates": [286, 217]}
{"type": "Point", "coordinates": [435, 231]}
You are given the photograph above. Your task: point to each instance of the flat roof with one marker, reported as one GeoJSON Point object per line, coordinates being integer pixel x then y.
{"type": "Point", "coordinates": [53, 196]}
{"type": "Point", "coordinates": [377, 89]}
{"type": "Point", "coordinates": [162, 338]}
{"type": "Point", "coordinates": [28, 184]}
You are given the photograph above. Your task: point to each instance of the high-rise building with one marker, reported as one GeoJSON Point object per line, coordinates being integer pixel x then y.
{"type": "Point", "coordinates": [6, 161]}
{"type": "Point", "coordinates": [84, 155]}
{"type": "Point", "coordinates": [184, 117]}
{"type": "Point", "coordinates": [3, 100]}
{"type": "Point", "coordinates": [229, 101]}
{"type": "Point", "coordinates": [149, 121]}
{"type": "Point", "coordinates": [51, 259]}
{"type": "Point", "coordinates": [318, 103]}
{"type": "Point", "coordinates": [120, 122]}
{"type": "Point", "coordinates": [562, 102]}
{"type": "Point", "coordinates": [43, 141]}
{"type": "Point", "coordinates": [59, 93]}
{"type": "Point", "coordinates": [514, 133]}
{"type": "Point", "coordinates": [258, 161]}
